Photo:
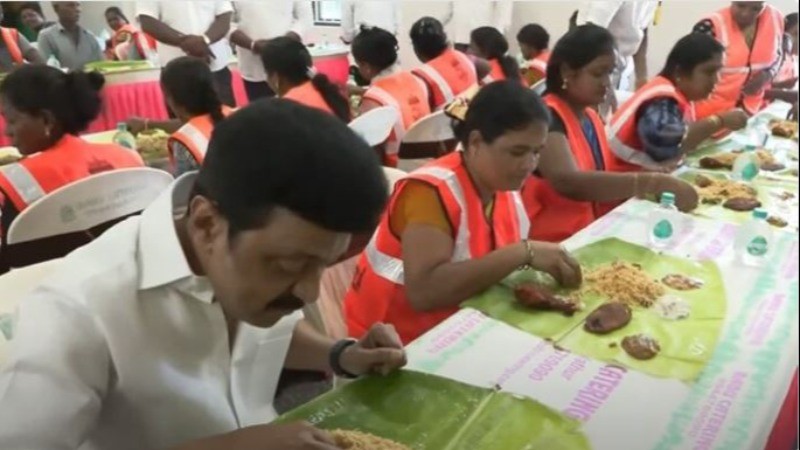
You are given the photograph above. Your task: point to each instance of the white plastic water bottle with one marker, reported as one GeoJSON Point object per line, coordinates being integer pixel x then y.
{"type": "Point", "coordinates": [123, 137]}
{"type": "Point", "coordinates": [754, 239]}
{"type": "Point", "coordinates": [746, 165]}
{"type": "Point", "coordinates": [662, 224]}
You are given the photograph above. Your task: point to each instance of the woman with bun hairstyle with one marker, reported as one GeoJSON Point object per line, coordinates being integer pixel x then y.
{"type": "Point", "coordinates": [446, 71]}
{"type": "Point", "coordinates": [45, 109]}
{"type": "Point", "coordinates": [488, 43]}
{"type": "Point", "coordinates": [291, 75]}
{"type": "Point", "coordinates": [375, 53]}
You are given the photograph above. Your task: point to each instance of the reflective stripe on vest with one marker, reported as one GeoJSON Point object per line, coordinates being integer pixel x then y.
{"type": "Point", "coordinates": [386, 99]}
{"type": "Point", "coordinates": [195, 140]}
{"type": "Point", "coordinates": [24, 183]}
{"type": "Point", "coordinates": [435, 77]}
{"type": "Point", "coordinates": [11, 39]}
{"type": "Point", "coordinates": [659, 87]}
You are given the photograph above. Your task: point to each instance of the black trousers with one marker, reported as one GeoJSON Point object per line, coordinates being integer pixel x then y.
{"type": "Point", "coordinates": [257, 89]}
{"type": "Point", "coordinates": [222, 81]}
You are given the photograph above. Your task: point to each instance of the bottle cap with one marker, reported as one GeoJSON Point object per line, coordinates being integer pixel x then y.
{"type": "Point", "coordinates": [760, 213]}
{"type": "Point", "coordinates": [667, 198]}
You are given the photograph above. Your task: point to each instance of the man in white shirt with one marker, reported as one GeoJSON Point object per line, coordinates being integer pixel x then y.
{"type": "Point", "coordinates": [628, 22]}
{"type": "Point", "coordinates": [372, 13]}
{"type": "Point", "coordinates": [467, 15]}
{"type": "Point", "coordinates": [194, 28]}
{"type": "Point", "coordinates": [172, 328]}
{"type": "Point", "coordinates": [258, 22]}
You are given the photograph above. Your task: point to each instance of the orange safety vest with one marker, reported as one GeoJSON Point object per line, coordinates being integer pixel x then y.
{"type": "Point", "coordinates": [11, 39]}
{"type": "Point", "coordinates": [741, 62]}
{"type": "Point", "coordinates": [307, 94]}
{"type": "Point", "coordinates": [539, 63]}
{"type": "Point", "coordinates": [408, 95]}
{"type": "Point", "coordinates": [195, 135]}
{"type": "Point", "coordinates": [623, 137]}
{"type": "Point", "coordinates": [378, 293]}
{"type": "Point", "coordinates": [71, 159]}
{"type": "Point", "coordinates": [495, 72]}
{"type": "Point", "coordinates": [447, 76]}
{"type": "Point", "coordinates": [553, 217]}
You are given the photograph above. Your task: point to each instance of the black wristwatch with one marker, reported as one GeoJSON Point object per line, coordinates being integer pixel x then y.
{"type": "Point", "coordinates": [335, 357]}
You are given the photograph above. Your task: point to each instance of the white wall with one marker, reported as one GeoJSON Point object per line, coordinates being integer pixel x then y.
{"type": "Point", "coordinates": [677, 19]}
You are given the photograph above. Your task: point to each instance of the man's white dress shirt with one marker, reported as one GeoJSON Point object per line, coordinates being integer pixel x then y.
{"type": "Point", "coordinates": [189, 17]}
{"type": "Point", "coordinates": [268, 20]}
{"type": "Point", "coordinates": [123, 348]}
{"type": "Point", "coordinates": [373, 13]}
{"type": "Point", "coordinates": [467, 15]}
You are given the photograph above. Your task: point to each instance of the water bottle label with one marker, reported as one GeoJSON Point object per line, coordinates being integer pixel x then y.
{"type": "Point", "coordinates": [749, 171]}
{"type": "Point", "coordinates": [663, 230]}
{"type": "Point", "coordinates": [758, 246]}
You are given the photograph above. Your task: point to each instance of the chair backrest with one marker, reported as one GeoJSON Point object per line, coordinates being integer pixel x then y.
{"type": "Point", "coordinates": [539, 87]}
{"type": "Point", "coordinates": [375, 125]}
{"type": "Point", "coordinates": [430, 137]}
{"type": "Point", "coordinates": [89, 202]}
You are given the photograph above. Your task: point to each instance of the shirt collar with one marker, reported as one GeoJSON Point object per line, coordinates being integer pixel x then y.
{"type": "Point", "coordinates": [160, 256]}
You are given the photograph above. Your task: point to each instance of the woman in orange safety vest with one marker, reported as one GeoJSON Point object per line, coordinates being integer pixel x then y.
{"type": "Point", "coordinates": [45, 109]}
{"type": "Point", "coordinates": [752, 34]}
{"type": "Point", "coordinates": [654, 129]}
{"type": "Point", "coordinates": [291, 75]}
{"type": "Point", "coordinates": [456, 226]}
{"type": "Point", "coordinates": [488, 43]}
{"type": "Point", "coordinates": [189, 90]}
{"type": "Point", "coordinates": [446, 71]}
{"type": "Point", "coordinates": [573, 185]}
{"type": "Point", "coordinates": [18, 48]}
{"type": "Point", "coordinates": [127, 42]}
{"type": "Point", "coordinates": [375, 53]}
{"type": "Point", "coordinates": [534, 42]}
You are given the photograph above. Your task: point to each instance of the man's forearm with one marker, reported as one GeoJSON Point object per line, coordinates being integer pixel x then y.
{"type": "Point", "coordinates": [309, 350]}
{"type": "Point", "coordinates": [160, 31]}
{"type": "Point", "coordinates": [640, 59]}
{"type": "Point", "coordinates": [219, 28]}
{"type": "Point", "coordinates": [241, 39]}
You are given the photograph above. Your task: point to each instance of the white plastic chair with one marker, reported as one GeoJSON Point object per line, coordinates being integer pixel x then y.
{"type": "Point", "coordinates": [15, 286]}
{"type": "Point", "coordinates": [327, 313]}
{"type": "Point", "coordinates": [89, 202]}
{"type": "Point", "coordinates": [375, 125]}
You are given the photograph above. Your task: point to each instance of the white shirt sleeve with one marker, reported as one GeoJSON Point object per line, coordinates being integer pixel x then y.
{"type": "Point", "coordinates": [222, 7]}
{"type": "Point", "coordinates": [348, 21]}
{"type": "Point", "coordinates": [303, 17]}
{"type": "Point", "coordinates": [502, 15]}
{"type": "Point", "coordinates": [52, 388]}
{"type": "Point", "coordinates": [598, 12]}
{"type": "Point", "coordinates": [152, 9]}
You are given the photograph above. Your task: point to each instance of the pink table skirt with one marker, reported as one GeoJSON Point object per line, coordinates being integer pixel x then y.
{"type": "Point", "coordinates": [144, 99]}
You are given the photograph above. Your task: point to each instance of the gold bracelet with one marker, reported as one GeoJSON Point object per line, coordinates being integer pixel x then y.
{"type": "Point", "coordinates": [716, 120]}
{"type": "Point", "coordinates": [531, 254]}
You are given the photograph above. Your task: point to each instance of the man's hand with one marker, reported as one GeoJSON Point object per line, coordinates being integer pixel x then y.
{"type": "Point", "coordinates": [293, 436]}
{"type": "Point", "coordinates": [757, 82]}
{"type": "Point", "coordinates": [259, 45]}
{"type": "Point", "coordinates": [379, 351]}
{"type": "Point", "coordinates": [196, 46]}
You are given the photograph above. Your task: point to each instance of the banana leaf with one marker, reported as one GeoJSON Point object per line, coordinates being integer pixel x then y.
{"type": "Point", "coordinates": [118, 66]}
{"type": "Point", "coordinates": [770, 194]}
{"type": "Point", "coordinates": [426, 412]}
{"type": "Point", "coordinates": [686, 345]}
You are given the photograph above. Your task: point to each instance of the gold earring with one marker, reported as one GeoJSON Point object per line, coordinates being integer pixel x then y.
{"type": "Point", "coordinates": [564, 84]}
{"type": "Point", "coordinates": [47, 132]}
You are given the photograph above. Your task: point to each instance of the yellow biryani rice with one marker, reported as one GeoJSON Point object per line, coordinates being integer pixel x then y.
{"type": "Point", "coordinates": [713, 190]}
{"type": "Point", "coordinates": [357, 440]}
{"type": "Point", "coordinates": [624, 282]}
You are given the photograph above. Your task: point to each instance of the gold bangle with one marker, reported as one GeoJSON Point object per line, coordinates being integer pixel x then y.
{"type": "Point", "coordinates": [716, 120]}
{"type": "Point", "coordinates": [531, 254]}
